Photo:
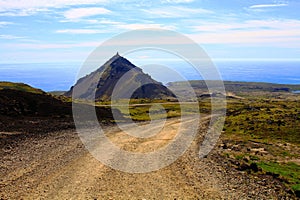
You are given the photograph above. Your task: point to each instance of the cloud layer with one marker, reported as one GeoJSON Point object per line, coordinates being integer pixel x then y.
{"type": "Point", "coordinates": [80, 25]}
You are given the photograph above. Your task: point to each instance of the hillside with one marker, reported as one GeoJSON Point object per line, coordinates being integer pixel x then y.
{"type": "Point", "coordinates": [16, 103]}
{"type": "Point", "coordinates": [20, 87]}
{"type": "Point", "coordinates": [34, 112]}
{"type": "Point", "coordinates": [234, 88]}
{"type": "Point", "coordinates": [240, 86]}
{"type": "Point", "coordinates": [102, 82]}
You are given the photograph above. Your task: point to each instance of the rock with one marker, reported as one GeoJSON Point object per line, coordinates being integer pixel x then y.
{"type": "Point", "coordinates": [297, 193]}
{"type": "Point", "coordinates": [260, 151]}
{"type": "Point", "coordinates": [247, 167]}
{"type": "Point", "coordinates": [224, 146]}
{"type": "Point", "coordinates": [243, 167]}
{"type": "Point", "coordinates": [246, 159]}
{"type": "Point", "coordinates": [253, 167]}
{"type": "Point", "coordinates": [236, 147]}
{"type": "Point", "coordinates": [272, 174]}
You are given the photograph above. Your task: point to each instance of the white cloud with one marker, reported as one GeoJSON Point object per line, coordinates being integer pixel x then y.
{"type": "Point", "coordinates": [51, 45]}
{"type": "Point", "coordinates": [275, 33]}
{"type": "Point", "coordinates": [27, 8]}
{"type": "Point", "coordinates": [115, 27]}
{"type": "Point", "coordinates": [177, 1]}
{"type": "Point", "coordinates": [11, 37]}
{"type": "Point", "coordinates": [4, 23]}
{"type": "Point", "coordinates": [94, 21]}
{"type": "Point", "coordinates": [78, 13]}
{"type": "Point", "coordinates": [252, 38]}
{"type": "Point", "coordinates": [267, 5]}
{"type": "Point", "coordinates": [32, 4]}
{"type": "Point", "coordinates": [175, 12]}
{"type": "Point", "coordinates": [284, 33]}
{"type": "Point", "coordinates": [143, 26]}
{"type": "Point", "coordinates": [103, 21]}
{"type": "Point", "coordinates": [81, 31]}
{"type": "Point", "coordinates": [287, 24]}
{"type": "Point", "coordinates": [22, 12]}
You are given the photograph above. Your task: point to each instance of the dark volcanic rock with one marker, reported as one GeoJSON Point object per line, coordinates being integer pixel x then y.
{"type": "Point", "coordinates": [134, 83]}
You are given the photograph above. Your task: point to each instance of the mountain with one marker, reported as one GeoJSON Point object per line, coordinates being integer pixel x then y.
{"type": "Point", "coordinates": [102, 82]}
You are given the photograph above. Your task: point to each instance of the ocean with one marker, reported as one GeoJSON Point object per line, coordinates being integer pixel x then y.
{"type": "Point", "coordinates": [61, 76]}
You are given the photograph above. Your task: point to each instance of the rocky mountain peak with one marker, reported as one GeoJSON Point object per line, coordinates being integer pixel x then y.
{"type": "Point", "coordinates": [107, 76]}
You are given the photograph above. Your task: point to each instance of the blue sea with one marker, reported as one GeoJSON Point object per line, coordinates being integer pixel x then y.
{"type": "Point", "coordinates": [61, 76]}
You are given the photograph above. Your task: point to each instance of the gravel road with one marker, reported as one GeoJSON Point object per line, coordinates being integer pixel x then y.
{"type": "Point", "coordinates": [57, 166]}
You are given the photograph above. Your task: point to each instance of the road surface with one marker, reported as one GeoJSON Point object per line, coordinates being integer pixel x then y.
{"type": "Point", "coordinates": [57, 166]}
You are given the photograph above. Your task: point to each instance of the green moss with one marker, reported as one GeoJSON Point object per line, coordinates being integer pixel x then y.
{"type": "Point", "coordinates": [156, 109]}
{"type": "Point", "coordinates": [296, 187]}
{"type": "Point", "coordinates": [265, 119]}
{"type": "Point", "coordinates": [290, 171]}
{"type": "Point", "coordinates": [254, 158]}
{"type": "Point", "coordinates": [239, 157]}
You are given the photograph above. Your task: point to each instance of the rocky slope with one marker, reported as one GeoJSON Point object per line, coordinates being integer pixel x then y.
{"type": "Point", "coordinates": [102, 82]}
{"type": "Point", "coordinates": [38, 112]}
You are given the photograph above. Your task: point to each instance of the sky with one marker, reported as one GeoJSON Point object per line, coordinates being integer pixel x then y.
{"type": "Point", "coordinates": [41, 31]}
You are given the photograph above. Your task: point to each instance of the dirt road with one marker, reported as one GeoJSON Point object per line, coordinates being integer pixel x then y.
{"type": "Point", "coordinates": [57, 166]}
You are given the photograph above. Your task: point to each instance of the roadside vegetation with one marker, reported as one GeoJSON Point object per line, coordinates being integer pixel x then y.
{"type": "Point", "coordinates": [262, 134]}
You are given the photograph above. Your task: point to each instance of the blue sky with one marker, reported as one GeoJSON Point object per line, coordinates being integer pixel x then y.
{"type": "Point", "coordinates": [68, 30]}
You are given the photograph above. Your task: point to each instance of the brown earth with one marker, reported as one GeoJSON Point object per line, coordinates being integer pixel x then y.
{"type": "Point", "coordinates": [56, 165]}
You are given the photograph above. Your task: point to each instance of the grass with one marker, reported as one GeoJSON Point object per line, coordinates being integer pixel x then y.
{"type": "Point", "coordinates": [264, 119]}
{"type": "Point", "coordinates": [270, 121]}
{"type": "Point", "coordinates": [289, 171]}
{"type": "Point", "coordinates": [152, 109]}
{"type": "Point", "coordinates": [157, 111]}
{"type": "Point", "coordinates": [257, 118]}
{"type": "Point", "coordinates": [19, 86]}
{"type": "Point", "coordinates": [134, 101]}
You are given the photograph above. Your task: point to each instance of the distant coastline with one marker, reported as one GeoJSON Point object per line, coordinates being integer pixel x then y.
{"type": "Point", "coordinates": [60, 76]}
